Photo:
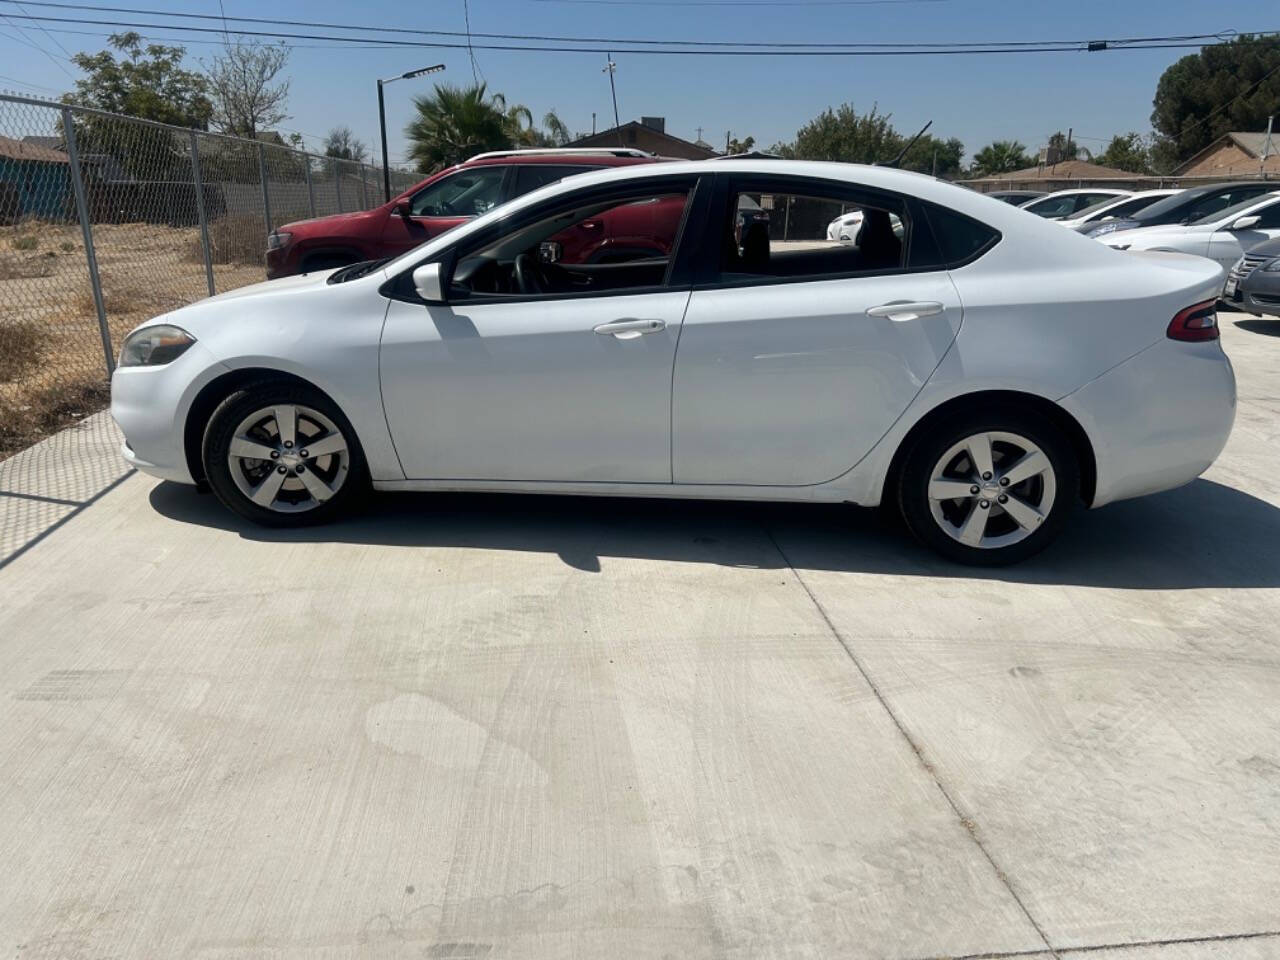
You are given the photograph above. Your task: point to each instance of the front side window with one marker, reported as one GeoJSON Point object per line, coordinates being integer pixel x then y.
{"type": "Point", "coordinates": [804, 234]}
{"type": "Point", "coordinates": [467, 193]}
{"type": "Point", "coordinates": [607, 245]}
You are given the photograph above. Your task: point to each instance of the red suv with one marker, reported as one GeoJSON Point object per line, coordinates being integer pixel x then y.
{"type": "Point", "coordinates": [440, 203]}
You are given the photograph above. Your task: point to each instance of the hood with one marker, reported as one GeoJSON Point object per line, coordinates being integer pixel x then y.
{"type": "Point", "coordinates": [268, 288]}
{"type": "Point", "coordinates": [311, 223]}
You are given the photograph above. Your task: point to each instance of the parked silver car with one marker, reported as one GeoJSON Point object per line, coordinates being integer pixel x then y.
{"type": "Point", "coordinates": [1254, 282]}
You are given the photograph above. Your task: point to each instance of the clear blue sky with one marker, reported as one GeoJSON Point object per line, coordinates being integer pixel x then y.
{"type": "Point", "coordinates": [975, 98]}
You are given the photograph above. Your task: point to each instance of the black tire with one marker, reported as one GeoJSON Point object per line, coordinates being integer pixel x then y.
{"type": "Point", "coordinates": [939, 438]}
{"type": "Point", "coordinates": [254, 397]}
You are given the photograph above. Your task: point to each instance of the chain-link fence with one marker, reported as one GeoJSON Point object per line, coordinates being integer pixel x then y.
{"type": "Point", "coordinates": [106, 221]}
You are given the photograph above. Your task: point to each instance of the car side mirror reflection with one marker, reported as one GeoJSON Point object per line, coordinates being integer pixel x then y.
{"type": "Point", "coordinates": [427, 282]}
{"type": "Point", "coordinates": [550, 251]}
{"type": "Point", "coordinates": [1246, 223]}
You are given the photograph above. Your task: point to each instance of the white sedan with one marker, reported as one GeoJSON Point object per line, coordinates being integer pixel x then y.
{"type": "Point", "coordinates": [984, 373]}
{"type": "Point", "coordinates": [1067, 203]}
{"type": "Point", "coordinates": [1223, 236]}
{"type": "Point", "coordinates": [1115, 208]}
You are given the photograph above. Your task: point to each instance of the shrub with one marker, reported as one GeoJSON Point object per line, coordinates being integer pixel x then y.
{"type": "Point", "coordinates": [21, 343]}
{"type": "Point", "coordinates": [239, 239]}
{"type": "Point", "coordinates": [28, 241]}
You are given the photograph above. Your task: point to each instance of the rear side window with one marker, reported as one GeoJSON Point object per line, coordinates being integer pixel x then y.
{"type": "Point", "coordinates": [957, 239]}
{"type": "Point", "coordinates": [531, 176]}
{"type": "Point", "coordinates": [774, 233]}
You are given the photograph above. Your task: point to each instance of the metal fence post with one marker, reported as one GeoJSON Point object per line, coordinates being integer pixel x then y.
{"type": "Point", "coordinates": [311, 190]}
{"type": "Point", "coordinates": [204, 221]}
{"type": "Point", "coordinates": [364, 190]}
{"type": "Point", "coordinates": [82, 209]}
{"type": "Point", "coordinates": [262, 175]}
{"type": "Point", "coordinates": [337, 182]}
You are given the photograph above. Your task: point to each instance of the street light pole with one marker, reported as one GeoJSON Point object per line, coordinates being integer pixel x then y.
{"type": "Point", "coordinates": [382, 122]}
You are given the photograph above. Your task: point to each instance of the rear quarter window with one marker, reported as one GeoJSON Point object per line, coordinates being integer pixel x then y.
{"type": "Point", "coordinates": [953, 239]}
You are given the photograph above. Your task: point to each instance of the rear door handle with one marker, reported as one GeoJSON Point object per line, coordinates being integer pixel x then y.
{"type": "Point", "coordinates": [905, 310]}
{"type": "Point", "coordinates": [630, 329]}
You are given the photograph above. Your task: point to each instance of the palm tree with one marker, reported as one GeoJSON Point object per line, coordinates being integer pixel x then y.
{"type": "Point", "coordinates": [455, 123]}
{"type": "Point", "coordinates": [1000, 157]}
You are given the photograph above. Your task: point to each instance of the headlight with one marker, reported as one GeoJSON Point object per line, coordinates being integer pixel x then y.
{"type": "Point", "coordinates": [277, 240]}
{"type": "Point", "coordinates": [1272, 266]}
{"type": "Point", "coordinates": [154, 345]}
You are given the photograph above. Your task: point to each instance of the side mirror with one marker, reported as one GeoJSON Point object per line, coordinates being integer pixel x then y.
{"type": "Point", "coordinates": [404, 209]}
{"type": "Point", "coordinates": [1246, 223]}
{"type": "Point", "coordinates": [428, 283]}
{"type": "Point", "coordinates": [550, 251]}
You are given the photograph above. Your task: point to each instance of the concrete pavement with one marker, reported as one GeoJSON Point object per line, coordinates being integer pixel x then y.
{"type": "Point", "coordinates": [464, 727]}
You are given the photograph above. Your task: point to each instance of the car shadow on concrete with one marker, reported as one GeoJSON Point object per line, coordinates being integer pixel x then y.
{"type": "Point", "coordinates": [1203, 535]}
{"type": "Point", "coordinates": [1267, 326]}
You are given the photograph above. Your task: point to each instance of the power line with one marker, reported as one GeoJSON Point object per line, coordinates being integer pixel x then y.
{"type": "Point", "coordinates": [614, 41]}
{"type": "Point", "coordinates": [852, 50]}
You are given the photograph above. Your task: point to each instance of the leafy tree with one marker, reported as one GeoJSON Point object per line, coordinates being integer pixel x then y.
{"type": "Point", "coordinates": [1128, 152]}
{"type": "Point", "coordinates": [344, 145]}
{"type": "Point", "coordinates": [933, 156]}
{"type": "Point", "coordinates": [745, 145]}
{"type": "Point", "coordinates": [147, 82]}
{"type": "Point", "coordinates": [247, 99]}
{"type": "Point", "coordinates": [1224, 87]}
{"type": "Point", "coordinates": [842, 135]}
{"type": "Point", "coordinates": [454, 123]}
{"type": "Point", "coordinates": [1002, 156]}
{"type": "Point", "coordinates": [1060, 149]}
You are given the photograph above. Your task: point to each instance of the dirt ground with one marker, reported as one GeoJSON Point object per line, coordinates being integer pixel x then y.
{"type": "Point", "coordinates": [52, 363]}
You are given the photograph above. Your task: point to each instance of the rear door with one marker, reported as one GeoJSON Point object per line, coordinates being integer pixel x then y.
{"type": "Point", "coordinates": [799, 352]}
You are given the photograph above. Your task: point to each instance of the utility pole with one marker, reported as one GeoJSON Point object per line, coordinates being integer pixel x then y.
{"type": "Point", "coordinates": [611, 68]}
{"type": "Point", "coordinates": [1266, 150]}
{"type": "Point", "coordinates": [727, 134]}
{"type": "Point", "coordinates": [593, 123]}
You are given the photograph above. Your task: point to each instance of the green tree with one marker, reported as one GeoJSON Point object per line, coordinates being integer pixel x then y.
{"type": "Point", "coordinates": [454, 123]}
{"type": "Point", "coordinates": [1224, 87]}
{"type": "Point", "coordinates": [1128, 152]}
{"type": "Point", "coordinates": [147, 82]}
{"type": "Point", "coordinates": [844, 136]}
{"type": "Point", "coordinates": [1002, 156]}
{"type": "Point", "coordinates": [745, 145]}
{"type": "Point", "coordinates": [941, 158]}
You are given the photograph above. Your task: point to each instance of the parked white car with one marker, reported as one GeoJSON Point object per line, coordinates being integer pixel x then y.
{"type": "Point", "coordinates": [1223, 236]}
{"type": "Point", "coordinates": [806, 370]}
{"type": "Point", "coordinates": [1067, 203]}
{"type": "Point", "coordinates": [845, 227]}
{"type": "Point", "coordinates": [1115, 207]}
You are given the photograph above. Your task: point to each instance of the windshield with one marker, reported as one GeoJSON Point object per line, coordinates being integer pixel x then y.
{"type": "Point", "coordinates": [1228, 212]}
{"type": "Point", "coordinates": [1168, 205]}
{"type": "Point", "coordinates": [1113, 207]}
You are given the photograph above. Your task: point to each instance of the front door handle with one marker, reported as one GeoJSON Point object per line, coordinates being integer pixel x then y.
{"type": "Point", "coordinates": [630, 329]}
{"type": "Point", "coordinates": [905, 310]}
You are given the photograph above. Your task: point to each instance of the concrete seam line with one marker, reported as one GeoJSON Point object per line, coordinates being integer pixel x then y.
{"type": "Point", "coordinates": [1127, 945]}
{"type": "Point", "coordinates": [5, 561]}
{"type": "Point", "coordinates": [41, 499]}
{"type": "Point", "coordinates": [970, 827]}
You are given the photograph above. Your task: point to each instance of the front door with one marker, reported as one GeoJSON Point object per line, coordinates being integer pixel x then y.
{"type": "Point", "coordinates": [537, 371]}
{"type": "Point", "coordinates": [443, 204]}
{"type": "Point", "coordinates": [803, 352]}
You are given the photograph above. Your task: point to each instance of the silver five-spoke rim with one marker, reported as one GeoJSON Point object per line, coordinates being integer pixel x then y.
{"type": "Point", "coordinates": [288, 458]}
{"type": "Point", "coordinates": [992, 490]}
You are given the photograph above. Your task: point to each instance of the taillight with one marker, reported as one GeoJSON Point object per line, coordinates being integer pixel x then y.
{"type": "Point", "coordinates": [1196, 323]}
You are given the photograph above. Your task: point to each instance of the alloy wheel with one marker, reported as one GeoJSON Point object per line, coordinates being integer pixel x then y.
{"type": "Point", "coordinates": [288, 458]}
{"type": "Point", "coordinates": [992, 490]}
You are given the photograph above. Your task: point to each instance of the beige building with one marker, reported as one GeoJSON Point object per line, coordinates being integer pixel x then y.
{"type": "Point", "coordinates": [1235, 155]}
